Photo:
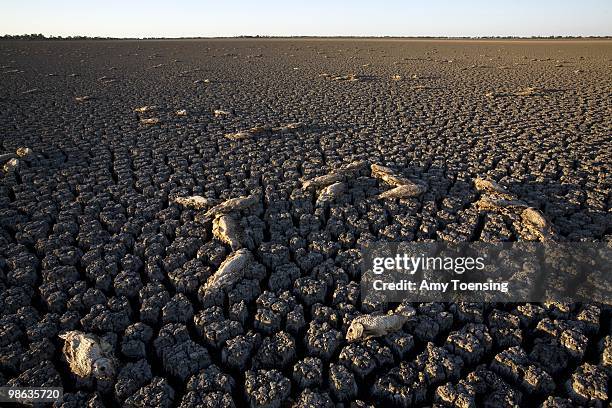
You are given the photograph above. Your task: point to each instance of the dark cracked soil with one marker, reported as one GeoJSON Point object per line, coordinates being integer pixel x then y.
{"type": "Point", "coordinates": [91, 239]}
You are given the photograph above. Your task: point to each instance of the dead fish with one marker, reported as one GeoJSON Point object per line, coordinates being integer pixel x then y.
{"type": "Point", "coordinates": [82, 98]}
{"type": "Point", "coordinates": [88, 355]}
{"type": "Point", "coordinates": [323, 181]}
{"type": "Point", "coordinates": [230, 271]}
{"type": "Point", "coordinates": [349, 78]}
{"type": "Point", "coordinates": [144, 109]}
{"type": "Point", "coordinates": [106, 80]}
{"type": "Point", "coordinates": [396, 78]}
{"type": "Point", "coordinates": [537, 224]}
{"type": "Point", "coordinates": [181, 112]}
{"type": "Point", "coordinates": [534, 217]}
{"type": "Point", "coordinates": [246, 134]}
{"type": "Point", "coordinates": [197, 202]}
{"type": "Point", "coordinates": [24, 152]}
{"type": "Point", "coordinates": [347, 170]}
{"type": "Point", "coordinates": [227, 230]}
{"type": "Point", "coordinates": [219, 112]}
{"type": "Point", "coordinates": [376, 325]}
{"type": "Point", "coordinates": [11, 165]}
{"type": "Point", "coordinates": [491, 187]}
{"type": "Point", "coordinates": [233, 204]}
{"type": "Point", "coordinates": [388, 176]}
{"type": "Point", "coordinates": [404, 191]}
{"type": "Point", "coordinates": [499, 204]}
{"type": "Point", "coordinates": [238, 135]}
{"type": "Point", "coordinates": [495, 197]}
{"type": "Point", "coordinates": [353, 167]}
{"type": "Point", "coordinates": [331, 193]}
{"type": "Point", "coordinates": [528, 91]}
{"type": "Point", "coordinates": [150, 121]}
{"type": "Point", "coordinates": [288, 127]}
{"type": "Point", "coordinates": [532, 222]}
{"type": "Point", "coordinates": [259, 130]}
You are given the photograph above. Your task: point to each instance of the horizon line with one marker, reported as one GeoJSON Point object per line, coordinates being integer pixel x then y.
{"type": "Point", "coordinates": [39, 36]}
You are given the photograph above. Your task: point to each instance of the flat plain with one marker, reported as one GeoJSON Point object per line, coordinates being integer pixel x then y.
{"type": "Point", "coordinates": [95, 237]}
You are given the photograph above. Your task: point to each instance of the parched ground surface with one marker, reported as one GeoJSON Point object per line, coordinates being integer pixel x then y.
{"type": "Point", "coordinates": [91, 240]}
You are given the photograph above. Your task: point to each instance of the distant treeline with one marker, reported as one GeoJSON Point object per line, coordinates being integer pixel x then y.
{"type": "Point", "coordinates": [42, 37]}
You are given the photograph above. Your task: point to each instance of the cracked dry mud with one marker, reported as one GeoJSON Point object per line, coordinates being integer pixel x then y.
{"type": "Point", "coordinates": [99, 234]}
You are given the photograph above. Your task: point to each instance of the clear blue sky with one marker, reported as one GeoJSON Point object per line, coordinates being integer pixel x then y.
{"type": "Point", "coordinates": [168, 18]}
